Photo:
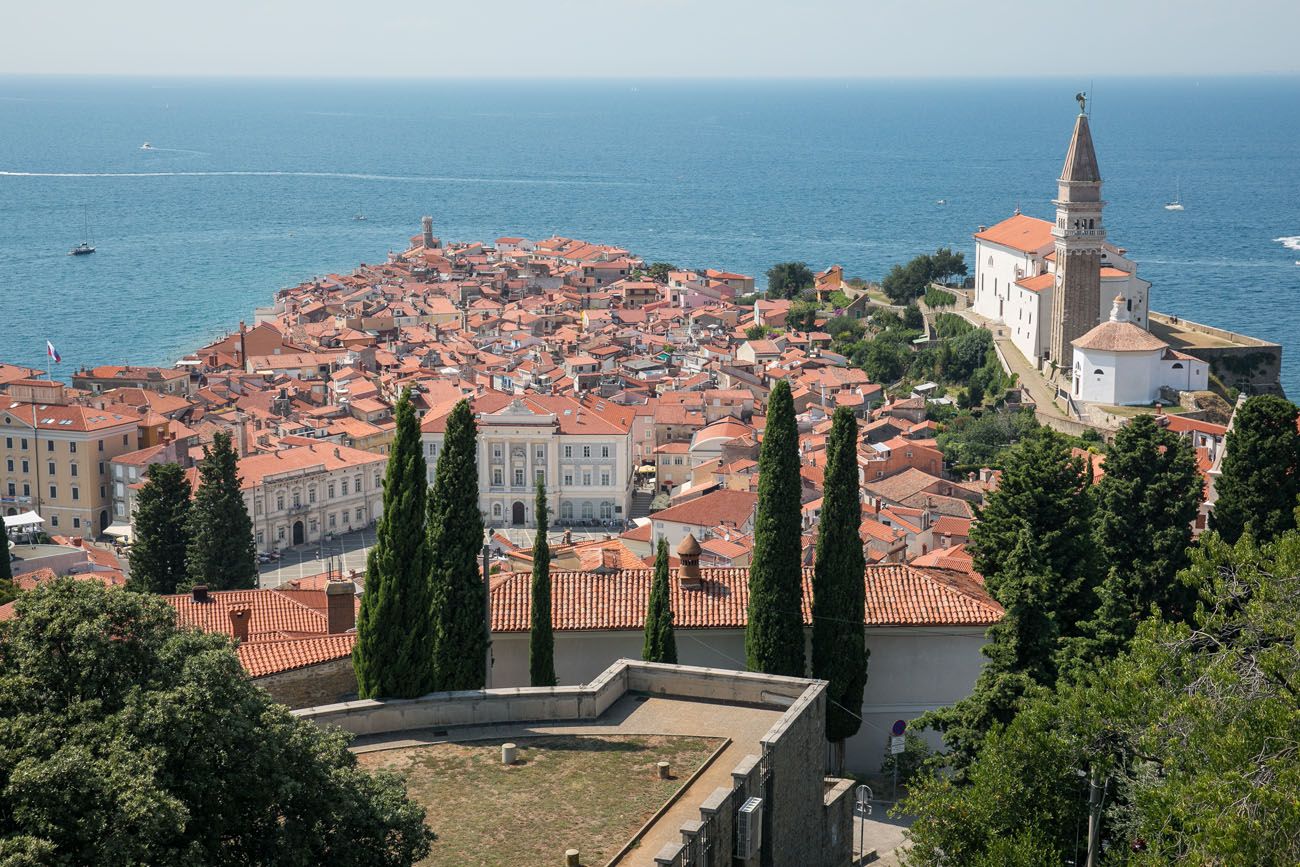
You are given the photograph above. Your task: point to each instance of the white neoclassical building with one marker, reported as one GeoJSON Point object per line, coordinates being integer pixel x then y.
{"type": "Point", "coordinates": [1120, 364]}
{"type": "Point", "coordinates": [583, 456]}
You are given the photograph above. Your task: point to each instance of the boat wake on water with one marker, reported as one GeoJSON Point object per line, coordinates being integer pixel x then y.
{"type": "Point", "coordinates": [352, 176]}
{"type": "Point", "coordinates": [1291, 242]}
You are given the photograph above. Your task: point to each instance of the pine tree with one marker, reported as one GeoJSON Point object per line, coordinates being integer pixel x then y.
{"type": "Point", "coordinates": [457, 587]}
{"type": "Point", "coordinates": [774, 639]}
{"type": "Point", "coordinates": [391, 656]}
{"type": "Point", "coordinates": [221, 553]}
{"type": "Point", "coordinates": [1046, 491]}
{"type": "Point", "coordinates": [161, 524]}
{"type": "Point", "coordinates": [839, 653]}
{"type": "Point", "coordinates": [660, 643]}
{"type": "Point", "coordinates": [1260, 481]}
{"type": "Point", "coordinates": [1146, 502]}
{"type": "Point", "coordinates": [541, 640]}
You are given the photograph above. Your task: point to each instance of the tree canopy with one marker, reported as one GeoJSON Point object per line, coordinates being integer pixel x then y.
{"type": "Point", "coordinates": [221, 553]}
{"type": "Point", "coordinates": [788, 279]}
{"type": "Point", "coordinates": [125, 740]}
{"type": "Point", "coordinates": [1260, 478]}
{"type": "Point", "coordinates": [774, 639]}
{"type": "Point", "coordinates": [392, 653]}
{"type": "Point", "coordinates": [161, 530]}
{"type": "Point", "coordinates": [541, 640]}
{"type": "Point", "coordinates": [660, 643]}
{"type": "Point", "coordinates": [802, 315]}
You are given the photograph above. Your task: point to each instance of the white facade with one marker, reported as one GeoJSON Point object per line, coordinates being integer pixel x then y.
{"type": "Point", "coordinates": [307, 504]}
{"type": "Point", "coordinates": [588, 476]}
{"type": "Point", "coordinates": [1119, 364]}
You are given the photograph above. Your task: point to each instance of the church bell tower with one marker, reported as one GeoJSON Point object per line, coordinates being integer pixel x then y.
{"type": "Point", "coordinates": [1079, 236]}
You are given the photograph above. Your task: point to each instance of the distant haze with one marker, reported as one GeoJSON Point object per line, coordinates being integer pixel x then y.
{"type": "Point", "coordinates": [650, 38]}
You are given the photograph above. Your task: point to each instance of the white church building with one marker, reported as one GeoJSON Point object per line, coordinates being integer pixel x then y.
{"type": "Point", "coordinates": [1120, 364]}
{"type": "Point", "coordinates": [1061, 290]}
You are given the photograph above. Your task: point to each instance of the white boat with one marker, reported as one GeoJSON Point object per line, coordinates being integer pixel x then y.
{"type": "Point", "coordinates": [1177, 203]}
{"type": "Point", "coordinates": [941, 202]}
{"type": "Point", "coordinates": [87, 246]}
{"type": "Point", "coordinates": [146, 147]}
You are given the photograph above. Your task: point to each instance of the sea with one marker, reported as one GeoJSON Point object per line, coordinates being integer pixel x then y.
{"type": "Point", "coordinates": [253, 185]}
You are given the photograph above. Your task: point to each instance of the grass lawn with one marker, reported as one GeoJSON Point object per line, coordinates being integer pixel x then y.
{"type": "Point", "coordinates": [589, 793]}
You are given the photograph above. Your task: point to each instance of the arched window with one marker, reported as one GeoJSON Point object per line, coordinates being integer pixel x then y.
{"type": "Point", "coordinates": [606, 510]}
{"type": "Point", "coordinates": [1177, 365]}
{"type": "Point", "coordinates": [586, 511]}
{"type": "Point", "coordinates": [566, 511]}
{"type": "Point", "coordinates": [496, 510]}
{"type": "Point", "coordinates": [1099, 372]}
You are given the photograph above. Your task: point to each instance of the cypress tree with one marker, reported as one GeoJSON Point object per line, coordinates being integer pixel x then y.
{"type": "Point", "coordinates": [1146, 502]}
{"type": "Point", "coordinates": [8, 590]}
{"type": "Point", "coordinates": [455, 528]}
{"type": "Point", "coordinates": [1047, 492]}
{"type": "Point", "coordinates": [1261, 472]}
{"type": "Point", "coordinates": [839, 653]}
{"type": "Point", "coordinates": [541, 640]}
{"type": "Point", "coordinates": [660, 643]}
{"type": "Point", "coordinates": [774, 638]}
{"type": "Point", "coordinates": [391, 656]}
{"type": "Point", "coordinates": [221, 553]}
{"type": "Point", "coordinates": [158, 554]}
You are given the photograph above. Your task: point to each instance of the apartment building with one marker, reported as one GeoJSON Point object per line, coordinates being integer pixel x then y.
{"type": "Point", "coordinates": [56, 456]}
{"type": "Point", "coordinates": [584, 457]}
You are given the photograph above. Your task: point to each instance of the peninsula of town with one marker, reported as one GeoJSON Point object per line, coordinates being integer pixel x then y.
{"type": "Point", "coordinates": [635, 394]}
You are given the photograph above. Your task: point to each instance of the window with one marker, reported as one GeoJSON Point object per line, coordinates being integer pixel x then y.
{"type": "Point", "coordinates": [74, 469]}
{"type": "Point", "coordinates": [24, 442]}
{"type": "Point", "coordinates": [13, 489]}
{"type": "Point", "coordinates": [1177, 365]}
{"type": "Point", "coordinates": [54, 492]}
{"type": "Point", "coordinates": [279, 534]}
{"type": "Point", "coordinates": [678, 460]}
{"type": "Point", "coordinates": [9, 464]}
{"type": "Point", "coordinates": [27, 490]}
{"type": "Point", "coordinates": [539, 475]}
{"type": "Point", "coordinates": [496, 450]}
{"type": "Point", "coordinates": [586, 479]}
{"type": "Point", "coordinates": [343, 487]}
{"type": "Point", "coordinates": [117, 471]}
{"type": "Point", "coordinates": [604, 479]}
{"type": "Point", "coordinates": [26, 466]}
{"type": "Point", "coordinates": [260, 538]}
{"type": "Point", "coordinates": [126, 439]}
{"type": "Point", "coordinates": [257, 507]}
{"type": "Point", "coordinates": [279, 501]}
{"type": "Point", "coordinates": [131, 473]}
{"type": "Point", "coordinates": [604, 451]}
{"type": "Point", "coordinates": [9, 442]}
{"type": "Point", "coordinates": [586, 451]}
{"type": "Point", "coordinates": [361, 515]}
{"type": "Point", "coordinates": [540, 453]}
{"type": "Point", "coordinates": [376, 480]}
{"type": "Point", "coordinates": [568, 450]}
{"type": "Point", "coordinates": [103, 491]}
{"type": "Point", "coordinates": [330, 492]}
{"type": "Point", "coordinates": [119, 509]}
{"type": "Point", "coordinates": [568, 478]}
{"type": "Point", "coordinates": [311, 494]}
{"type": "Point", "coordinates": [606, 510]}
{"type": "Point", "coordinates": [54, 520]}
{"type": "Point", "coordinates": [356, 484]}
{"type": "Point", "coordinates": [496, 477]}
{"type": "Point", "coordinates": [76, 493]}
{"type": "Point", "coordinates": [1099, 372]}
{"type": "Point", "coordinates": [566, 511]}
{"type": "Point", "coordinates": [72, 448]}
{"type": "Point", "coordinates": [297, 499]}
{"type": "Point", "coordinates": [519, 478]}
{"type": "Point", "coordinates": [586, 511]}
{"type": "Point", "coordinates": [332, 522]}
{"type": "Point", "coordinates": [101, 445]}
{"type": "Point", "coordinates": [496, 510]}
{"type": "Point", "coordinates": [102, 468]}
{"type": "Point", "coordinates": [76, 522]}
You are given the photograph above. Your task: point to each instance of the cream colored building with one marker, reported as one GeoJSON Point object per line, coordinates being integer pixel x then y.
{"type": "Point", "coordinates": [55, 456]}
{"type": "Point", "coordinates": [584, 458]}
{"type": "Point", "coordinates": [298, 495]}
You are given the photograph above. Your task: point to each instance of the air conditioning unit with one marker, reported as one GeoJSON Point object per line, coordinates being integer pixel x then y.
{"type": "Point", "coordinates": [749, 828]}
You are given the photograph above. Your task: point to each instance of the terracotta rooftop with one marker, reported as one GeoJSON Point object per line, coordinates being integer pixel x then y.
{"type": "Point", "coordinates": [736, 507]}
{"type": "Point", "coordinates": [896, 595]}
{"type": "Point", "coordinates": [1019, 232]}
{"type": "Point", "coordinates": [261, 658]}
{"type": "Point", "coordinates": [1119, 337]}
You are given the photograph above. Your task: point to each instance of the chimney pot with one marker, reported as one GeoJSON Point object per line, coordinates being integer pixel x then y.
{"type": "Point", "coordinates": [239, 619]}
{"type": "Point", "coordinates": [200, 593]}
{"type": "Point", "coordinates": [340, 606]}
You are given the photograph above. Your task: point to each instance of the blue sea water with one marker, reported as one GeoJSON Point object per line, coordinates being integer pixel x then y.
{"type": "Point", "coordinates": [253, 185]}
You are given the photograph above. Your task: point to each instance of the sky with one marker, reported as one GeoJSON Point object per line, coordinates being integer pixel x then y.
{"type": "Point", "coordinates": [650, 38]}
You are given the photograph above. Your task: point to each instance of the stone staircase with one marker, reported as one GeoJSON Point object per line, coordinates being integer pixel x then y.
{"type": "Point", "coordinates": [641, 501]}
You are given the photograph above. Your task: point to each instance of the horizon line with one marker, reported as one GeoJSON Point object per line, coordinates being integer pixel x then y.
{"type": "Point", "coordinates": [655, 78]}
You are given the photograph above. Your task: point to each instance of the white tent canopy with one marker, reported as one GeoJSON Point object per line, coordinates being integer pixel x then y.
{"type": "Point", "coordinates": [118, 531]}
{"type": "Point", "coordinates": [26, 519]}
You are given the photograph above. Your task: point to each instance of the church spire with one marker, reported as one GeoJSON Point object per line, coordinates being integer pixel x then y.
{"type": "Point", "coordinates": [1081, 159]}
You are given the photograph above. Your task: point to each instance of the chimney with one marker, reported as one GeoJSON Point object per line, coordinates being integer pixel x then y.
{"type": "Point", "coordinates": [239, 618]}
{"type": "Point", "coordinates": [340, 606]}
{"type": "Point", "coordinates": [608, 561]}
{"type": "Point", "coordinates": [200, 593]}
{"type": "Point", "coordinates": [689, 554]}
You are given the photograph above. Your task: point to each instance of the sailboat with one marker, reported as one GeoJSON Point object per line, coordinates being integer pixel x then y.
{"type": "Point", "coordinates": [87, 246]}
{"type": "Point", "coordinates": [1177, 203]}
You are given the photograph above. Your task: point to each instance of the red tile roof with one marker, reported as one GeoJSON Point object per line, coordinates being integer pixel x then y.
{"type": "Point", "coordinates": [261, 658]}
{"type": "Point", "coordinates": [711, 509]}
{"type": "Point", "coordinates": [1026, 234]}
{"type": "Point", "coordinates": [896, 595]}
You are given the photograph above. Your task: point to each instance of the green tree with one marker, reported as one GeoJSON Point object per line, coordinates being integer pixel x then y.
{"type": "Point", "coordinates": [162, 536]}
{"type": "Point", "coordinates": [802, 315]}
{"type": "Point", "coordinates": [757, 332]}
{"type": "Point", "coordinates": [774, 639]}
{"type": "Point", "coordinates": [904, 283]}
{"type": "Point", "coordinates": [221, 553]}
{"type": "Point", "coordinates": [886, 359]}
{"type": "Point", "coordinates": [8, 590]}
{"type": "Point", "coordinates": [457, 585]}
{"type": "Point", "coordinates": [392, 653]}
{"type": "Point", "coordinates": [912, 318]}
{"type": "Point", "coordinates": [945, 263]}
{"type": "Point", "coordinates": [1146, 502]}
{"type": "Point", "coordinates": [660, 643]}
{"type": "Point", "coordinates": [658, 271]}
{"type": "Point", "coordinates": [839, 653]}
{"type": "Point", "coordinates": [541, 640]}
{"type": "Point", "coordinates": [1261, 471]}
{"type": "Point", "coordinates": [788, 279]}
{"type": "Point", "coordinates": [126, 740]}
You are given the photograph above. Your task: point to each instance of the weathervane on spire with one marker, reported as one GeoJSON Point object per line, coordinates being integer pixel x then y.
{"type": "Point", "coordinates": [1082, 97]}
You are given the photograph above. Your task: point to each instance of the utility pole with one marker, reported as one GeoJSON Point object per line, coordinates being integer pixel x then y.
{"type": "Point", "coordinates": [1096, 791]}
{"type": "Point", "coordinates": [487, 613]}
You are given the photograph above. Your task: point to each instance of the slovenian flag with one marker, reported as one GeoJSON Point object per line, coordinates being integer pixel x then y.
{"type": "Point", "coordinates": [52, 352]}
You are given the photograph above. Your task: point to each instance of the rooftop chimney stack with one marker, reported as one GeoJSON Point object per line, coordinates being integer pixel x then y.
{"type": "Point", "coordinates": [239, 618]}
{"type": "Point", "coordinates": [689, 554]}
{"type": "Point", "coordinates": [200, 593]}
{"type": "Point", "coordinates": [340, 606]}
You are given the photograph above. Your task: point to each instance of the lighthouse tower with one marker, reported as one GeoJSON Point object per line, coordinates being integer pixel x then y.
{"type": "Point", "coordinates": [1079, 236]}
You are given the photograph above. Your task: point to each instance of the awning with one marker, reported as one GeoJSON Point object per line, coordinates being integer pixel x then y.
{"type": "Point", "coordinates": [646, 468]}
{"type": "Point", "coordinates": [118, 531]}
{"type": "Point", "coordinates": [26, 519]}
